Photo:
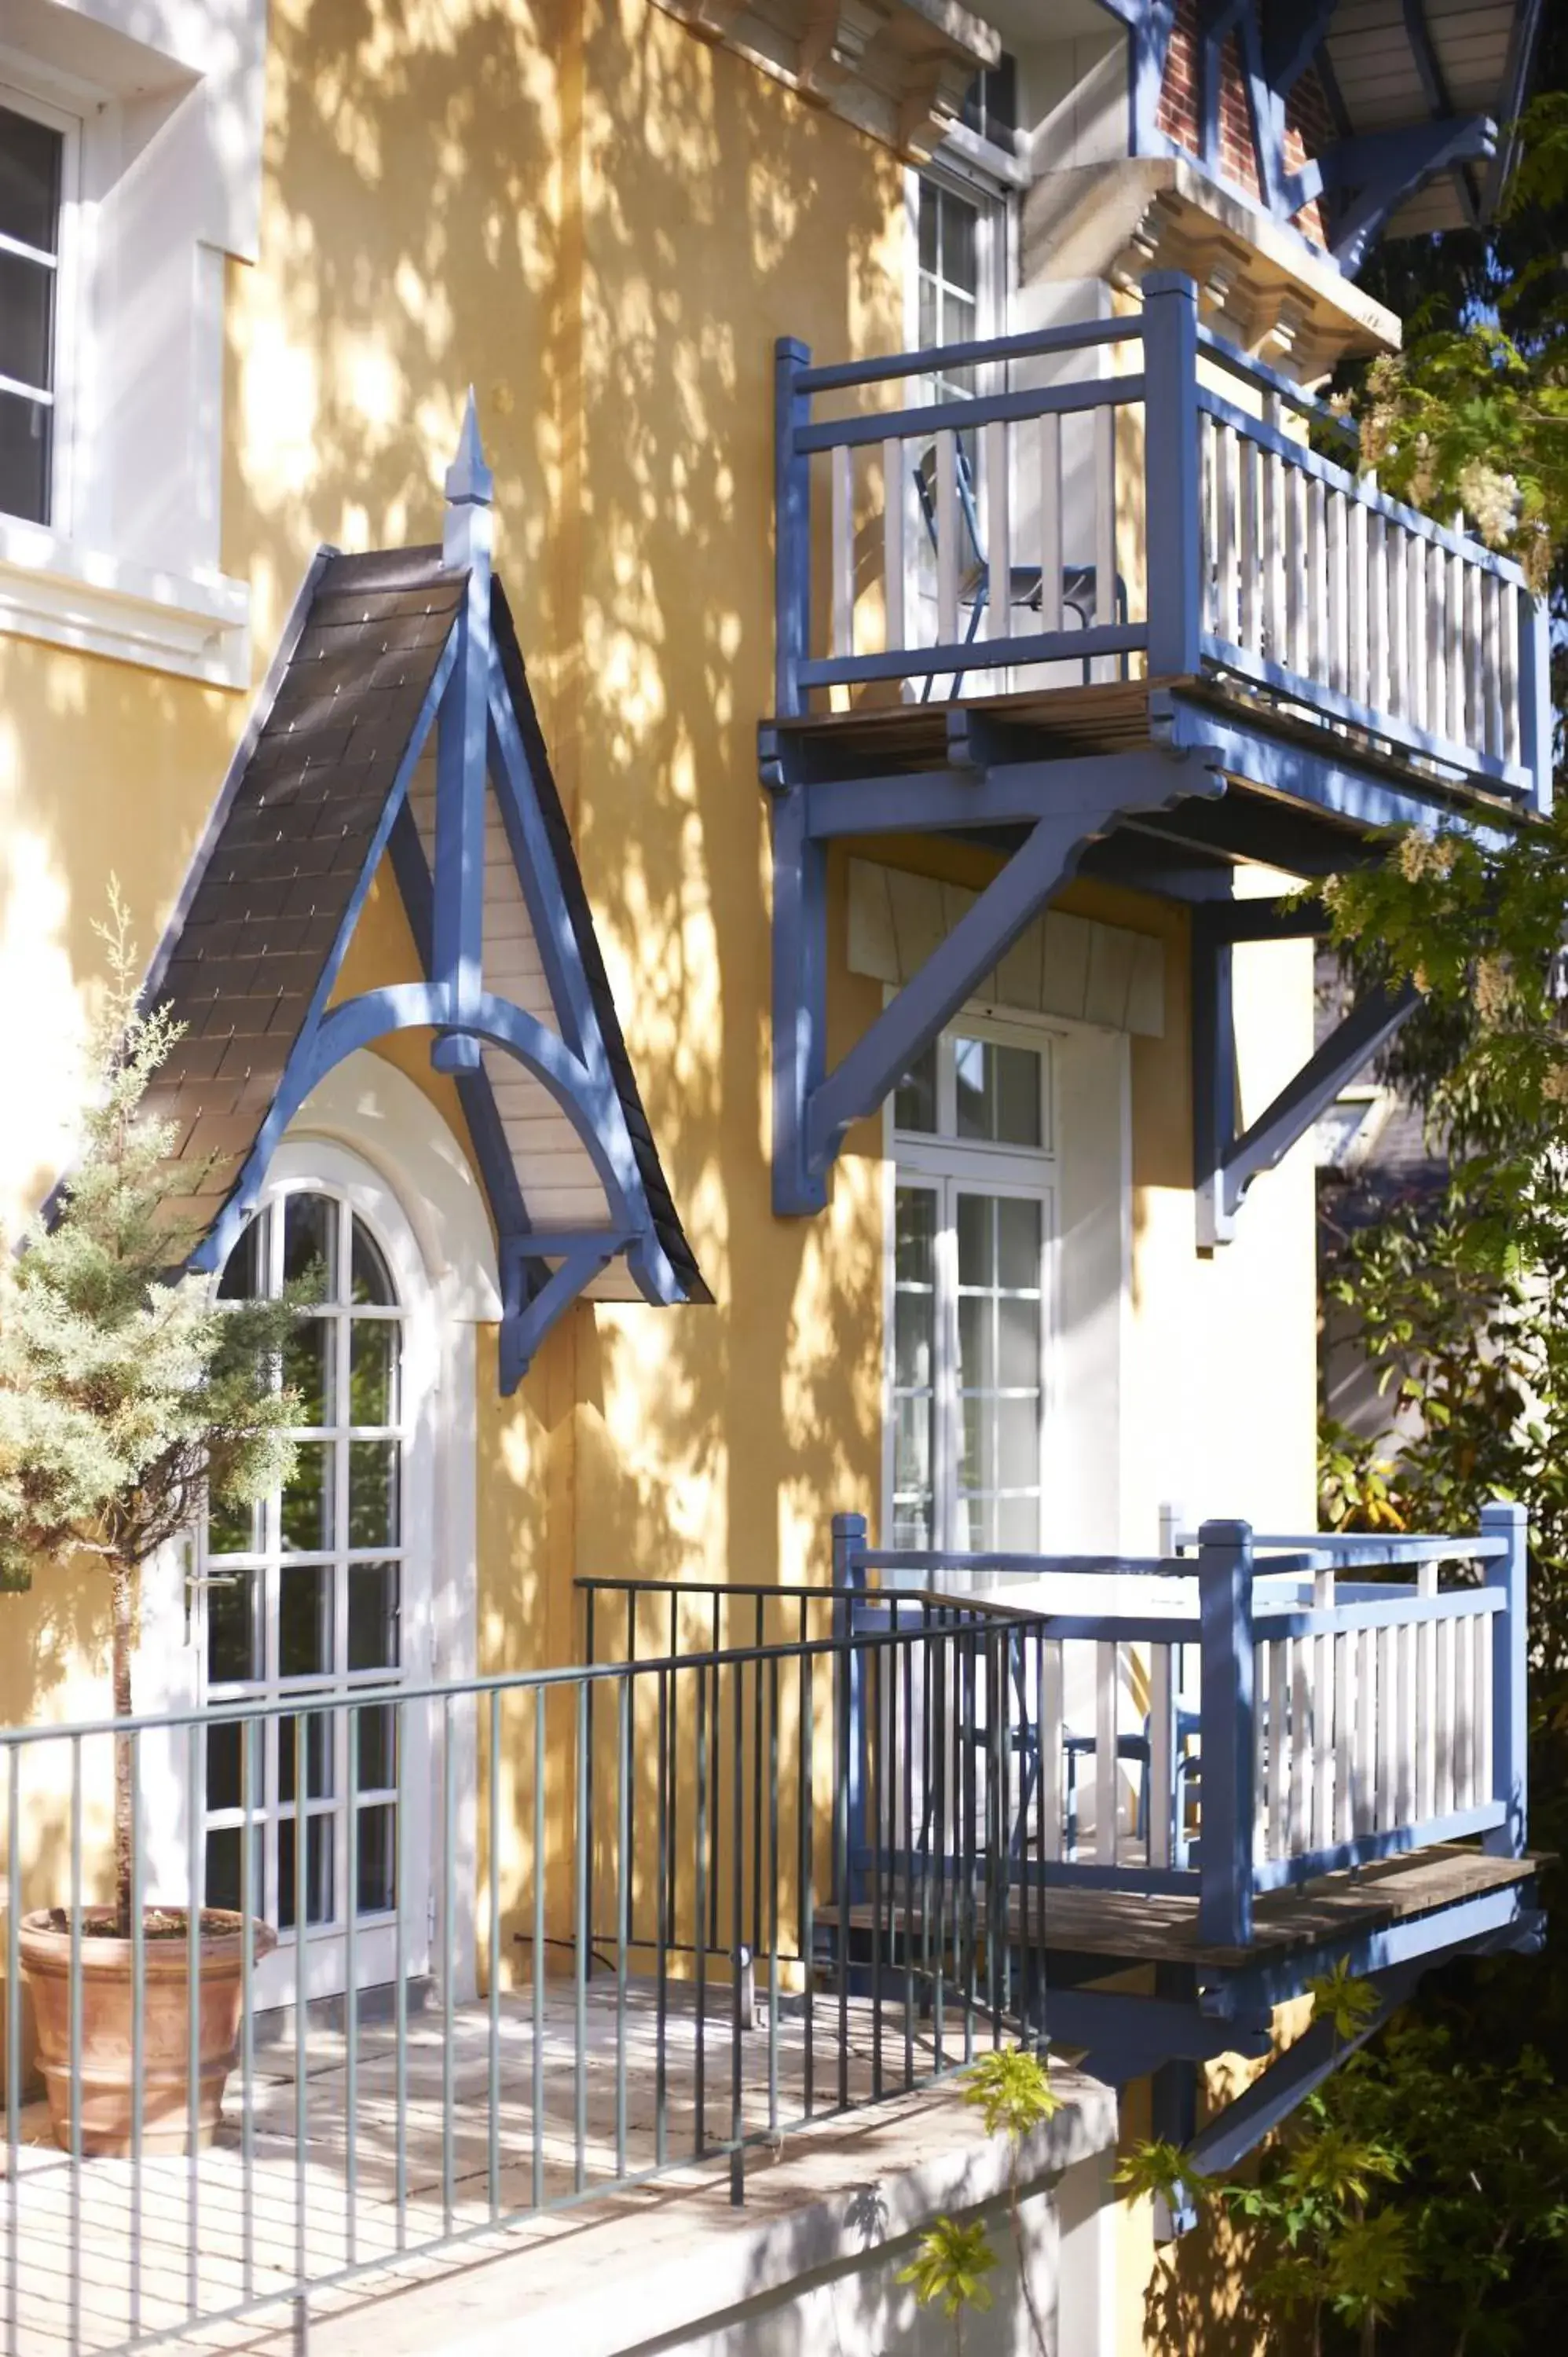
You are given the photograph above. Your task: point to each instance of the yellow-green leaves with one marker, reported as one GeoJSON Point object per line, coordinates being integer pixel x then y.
{"type": "Point", "coordinates": [949, 2269]}
{"type": "Point", "coordinates": [1011, 2089]}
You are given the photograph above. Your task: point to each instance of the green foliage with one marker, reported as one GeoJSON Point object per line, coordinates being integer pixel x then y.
{"type": "Point", "coordinates": [1011, 2089]}
{"type": "Point", "coordinates": [128, 1394]}
{"type": "Point", "coordinates": [1346, 2003]}
{"type": "Point", "coordinates": [948, 2270]}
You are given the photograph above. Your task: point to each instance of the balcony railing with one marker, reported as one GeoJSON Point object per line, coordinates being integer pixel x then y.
{"type": "Point", "coordinates": [1251, 1716]}
{"type": "Point", "coordinates": [1135, 496]}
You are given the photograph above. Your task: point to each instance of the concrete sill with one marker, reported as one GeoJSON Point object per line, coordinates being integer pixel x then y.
{"type": "Point", "coordinates": [54, 589]}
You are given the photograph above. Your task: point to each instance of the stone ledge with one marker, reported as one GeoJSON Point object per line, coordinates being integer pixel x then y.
{"type": "Point", "coordinates": [831, 2196]}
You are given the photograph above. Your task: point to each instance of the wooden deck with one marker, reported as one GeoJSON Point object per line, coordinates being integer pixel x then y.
{"type": "Point", "coordinates": [880, 739]}
{"type": "Point", "coordinates": [1129, 1927]}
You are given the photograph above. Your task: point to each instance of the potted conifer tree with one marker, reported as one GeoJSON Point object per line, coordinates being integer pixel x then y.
{"type": "Point", "coordinates": [129, 1398]}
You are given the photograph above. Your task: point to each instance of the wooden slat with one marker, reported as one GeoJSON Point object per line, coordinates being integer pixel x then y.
{"type": "Point", "coordinates": [998, 531]}
{"type": "Point", "coordinates": [1162, 1763]}
{"type": "Point", "coordinates": [1317, 575]}
{"type": "Point", "coordinates": [1248, 529]}
{"type": "Point", "coordinates": [1107, 1669]}
{"type": "Point", "coordinates": [895, 501]}
{"type": "Point", "coordinates": [1397, 573]}
{"type": "Point", "coordinates": [1444, 1714]}
{"type": "Point", "coordinates": [1276, 1778]}
{"type": "Point", "coordinates": [1303, 1746]}
{"type": "Point", "coordinates": [1050, 462]}
{"type": "Point", "coordinates": [1417, 667]}
{"type": "Point", "coordinates": [948, 527]}
{"type": "Point", "coordinates": [1052, 1794]}
{"type": "Point", "coordinates": [1344, 1736]}
{"type": "Point", "coordinates": [1426, 1703]}
{"type": "Point", "coordinates": [1338, 593]}
{"type": "Point", "coordinates": [1355, 564]}
{"type": "Point", "coordinates": [1323, 1719]}
{"type": "Point", "coordinates": [841, 472]}
{"type": "Point", "coordinates": [1378, 603]}
{"type": "Point", "coordinates": [1105, 528]}
{"type": "Point", "coordinates": [1509, 670]}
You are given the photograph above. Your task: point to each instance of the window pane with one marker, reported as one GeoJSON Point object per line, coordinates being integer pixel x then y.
{"type": "Point", "coordinates": [305, 1620]}
{"type": "Point", "coordinates": [307, 1502]}
{"type": "Point", "coordinates": [243, 1270]}
{"type": "Point", "coordinates": [912, 1445]}
{"type": "Point", "coordinates": [26, 321]}
{"type": "Point", "coordinates": [976, 1349]}
{"type": "Point", "coordinates": [960, 248]}
{"type": "Point", "coordinates": [977, 1444]}
{"type": "Point", "coordinates": [373, 1370]}
{"type": "Point", "coordinates": [974, 1075]}
{"type": "Point", "coordinates": [25, 445]}
{"type": "Point", "coordinates": [371, 1285]}
{"type": "Point", "coordinates": [1018, 1227]}
{"type": "Point", "coordinates": [224, 1763]}
{"type": "Point", "coordinates": [373, 1616]}
{"type": "Point", "coordinates": [976, 1525]}
{"type": "Point", "coordinates": [233, 1652]}
{"type": "Point", "coordinates": [915, 1100]}
{"type": "Point", "coordinates": [976, 1241]}
{"type": "Point", "coordinates": [317, 1871]}
{"type": "Point", "coordinates": [372, 1493]}
{"type": "Point", "coordinates": [1018, 1525]}
{"type": "Point", "coordinates": [309, 1238]}
{"type": "Point", "coordinates": [1018, 1444]}
{"type": "Point", "coordinates": [319, 1779]}
{"type": "Point", "coordinates": [1018, 1096]}
{"type": "Point", "coordinates": [914, 1229]}
{"type": "Point", "coordinates": [378, 1749]}
{"type": "Point", "coordinates": [233, 1529]}
{"type": "Point", "coordinates": [913, 1322]}
{"type": "Point", "coordinates": [32, 157]}
{"type": "Point", "coordinates": [912, 1521]}
{"type": "Point", "coordinates": [376, 1893]}
{"type": "Point", "coordinates": [1018, 1358]}
{"type": "Point", "coordinates": [224, 1862]}
{"type": "Point", "coordinates": [307, 1368]}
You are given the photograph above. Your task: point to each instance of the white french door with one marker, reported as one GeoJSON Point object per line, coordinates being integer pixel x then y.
{"type": "Point", "coordinates": [315, 1595]}
{"type": "Point", "coordinates": [973, 1253]}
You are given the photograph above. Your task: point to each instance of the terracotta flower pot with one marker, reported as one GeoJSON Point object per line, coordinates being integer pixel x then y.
{"type": "Point", "coordinates": [106, 2024]}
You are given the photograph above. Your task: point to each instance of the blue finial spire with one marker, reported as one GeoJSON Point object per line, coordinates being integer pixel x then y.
{"type": "Point", "coordinates": [470, 482]}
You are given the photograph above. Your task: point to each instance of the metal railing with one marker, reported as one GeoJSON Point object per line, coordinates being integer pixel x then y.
{"type": "Point", "coordinates": [1137, 489]}
{"type": "Point", "coordinates": [564, 1932]}
{"type": "Point", "coordinates": [1224, 1722]}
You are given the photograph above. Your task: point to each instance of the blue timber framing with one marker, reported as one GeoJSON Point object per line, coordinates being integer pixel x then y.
{"type": "Point", "coordinates": [1065, 805]}
{"type": "Point", "coordinates": [1366, 178]}
{"type": "Point", "coordinates": [480, 754]}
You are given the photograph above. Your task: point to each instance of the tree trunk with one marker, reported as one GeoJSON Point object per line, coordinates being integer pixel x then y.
{"type": "Point", "coordinates": [122, 1579]}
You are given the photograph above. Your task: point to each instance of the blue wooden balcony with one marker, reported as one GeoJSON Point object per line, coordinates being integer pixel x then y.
{"type": "Point", "coordinates": [1097, 598]}
{"type": "Point", "coordinates": [1133, 501]}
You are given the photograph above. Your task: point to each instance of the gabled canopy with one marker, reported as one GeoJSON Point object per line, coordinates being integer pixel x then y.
{"type": "Point", "coordinates": [397, 719]}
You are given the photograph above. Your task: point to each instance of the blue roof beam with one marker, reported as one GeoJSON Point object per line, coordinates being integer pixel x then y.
{"type": "Point", "coordinates": [1385, 168]}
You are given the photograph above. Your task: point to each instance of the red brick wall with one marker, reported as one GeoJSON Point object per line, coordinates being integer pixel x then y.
{"type": "Point", "coordinates": [1307, 125]}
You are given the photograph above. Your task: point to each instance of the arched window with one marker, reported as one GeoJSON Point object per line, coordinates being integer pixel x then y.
{"type": "Point", "coordinates": [307, 1597]}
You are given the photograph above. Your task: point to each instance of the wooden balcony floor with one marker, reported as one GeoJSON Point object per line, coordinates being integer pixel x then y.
{"type": "Point", "coordinates": [1153, 1927]}
{"type": "Point", "coordinates": [1105, 716]}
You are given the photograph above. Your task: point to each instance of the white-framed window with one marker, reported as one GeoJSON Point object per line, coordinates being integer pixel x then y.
{"type": "Point", "coordinates": [318, 1593]}
{"type": "Point", "coordinates": [39, 148]}
{"type": "Point", "coordinates": [972, 1258]}
{"type": "Point", "coordinates": [959, 254]}
{"type": "Point", "coordinates": [130, 176]}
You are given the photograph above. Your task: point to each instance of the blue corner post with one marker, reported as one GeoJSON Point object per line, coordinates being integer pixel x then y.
{"type": "Point", "coordinates": [1535, 699]}
{"type": "Point", "coordinates": [461, 746]}
{"type": "Point", "coordinates": [849, 1572]}
{"type": "Point", "coordinates": [1171, 473]}
{"type": "Point", "coordinates": [1511, 1725]}
{"type": "Point", "coordinates": [800, 1000]}
{"type": "Point", "coordinates": [1225, 1628]}
{"type": "Point", "coordinates": [792, 525]}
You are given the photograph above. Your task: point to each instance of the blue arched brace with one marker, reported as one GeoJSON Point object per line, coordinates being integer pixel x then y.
{"type": "Point", "coordinates": [588, 1101]}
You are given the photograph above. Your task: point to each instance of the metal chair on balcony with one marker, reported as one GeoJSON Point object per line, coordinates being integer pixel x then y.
{"type": "Point", "coordinates": [1024, 582]}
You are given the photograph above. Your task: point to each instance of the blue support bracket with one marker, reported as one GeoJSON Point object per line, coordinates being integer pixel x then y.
{"type": "Point", "coordinates": [1390, 166]}
{"type": "Point", "coordinates": [1067, 804]}
{"type": "Point", "coordinates": [1226, 1163]}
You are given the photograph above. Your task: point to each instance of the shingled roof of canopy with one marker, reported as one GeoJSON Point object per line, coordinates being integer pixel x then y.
{"type": "Point", "coordinates": [273, 881]}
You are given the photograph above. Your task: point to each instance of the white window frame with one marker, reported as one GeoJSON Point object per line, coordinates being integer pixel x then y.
{"type": "Point", "coordinates": [65, 336]}
{"type": "Point", "coordinates": [995, 242]}
{"type": "Point", "coordinates": [167, 188]}
{"type": "Point", "coordinates": [949, 1163]}
{"type": "Point", "coordinates": [333, 1171]}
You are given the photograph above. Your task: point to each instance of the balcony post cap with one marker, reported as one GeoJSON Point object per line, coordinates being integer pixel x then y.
{"type": "Point", "coordinates": [1170, 282]}
{"type": "Point", "coordinates": [1225, 1535]}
